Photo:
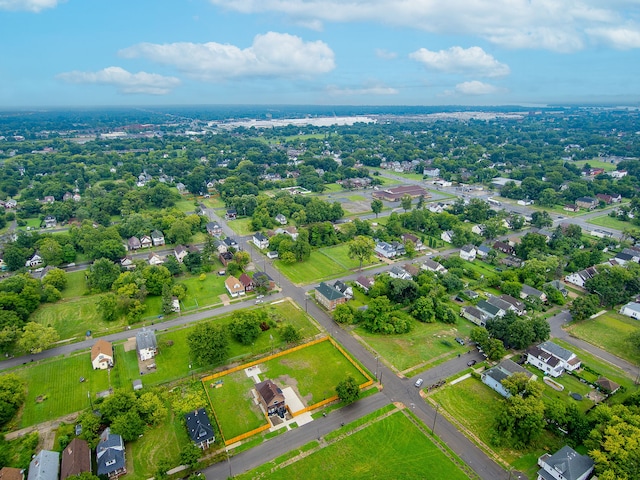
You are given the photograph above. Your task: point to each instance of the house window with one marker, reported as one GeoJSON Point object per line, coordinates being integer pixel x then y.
{"type": "Point", "coordinates": [110, 462]}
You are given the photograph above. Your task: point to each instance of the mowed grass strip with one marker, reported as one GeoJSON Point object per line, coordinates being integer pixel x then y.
{"type": "Point", "coordinates": [54, 388]}
{"type": "Point", "coordinates": [426, 342]}
{"type": "Point", "coordinates": [609, 332]}
{"type": "Point", "coordinates": [233, 403]}
{"type": "Point", "coordinates": [316, 369]}
{"type": "Point", "coordinates": [340, 254]}
{"type": "Point", "coordinates": [392, 447]}
{"type": "Point", "coordinates": [316, 268]}
{"type": "Point", "coordinates": [613, 223]}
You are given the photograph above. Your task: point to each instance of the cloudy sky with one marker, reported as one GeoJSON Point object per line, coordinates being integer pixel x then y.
{"type": "Point", "coordinates": [355, 52]}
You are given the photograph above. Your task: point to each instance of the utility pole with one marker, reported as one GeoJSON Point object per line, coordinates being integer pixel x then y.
{"type": "Point", "coordinates": [433, 428]}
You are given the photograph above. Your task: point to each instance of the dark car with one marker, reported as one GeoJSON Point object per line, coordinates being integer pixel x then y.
{"type": "Point", "coordinates": [471, 363]}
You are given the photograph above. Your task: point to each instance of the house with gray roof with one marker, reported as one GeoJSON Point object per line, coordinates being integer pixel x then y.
{"type": "Point", "coordinates": [398, 272]}
{"type": "Point", "coordinates": [474, 315]}
{"type": "Point", "coordinates": [146, 344]}
{"type": "Point", "coordinates": [552, 359]}
{"type": "Point", "coordinates": [110, 455]}
{"type": "Point", "coordinates": [631, 309]}
{"type": "Point", "coordinates": [528, 291]}
{"type": "Point", "coordinates": [501, 304]}
{"type": "Point", "coordinates": [565, 464]}
{"type": "Point", "coordinates": [491, 310]}
{"type": "Point", "coordinates": [558, 285]}
{"type": "Point", "coordinates": [494, 376]}
{"type": "Point", "coordinates": [329, 297]}
{"type": "Point", "coordinates": [199, 428]}
{"type": "Point", "coordinates": [44, 466]}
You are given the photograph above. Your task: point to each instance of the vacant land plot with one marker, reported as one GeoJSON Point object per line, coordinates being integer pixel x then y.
{"type": "Point", "coordinates": [242, 226]}
{"type": "Point", "coordinates": [408, 454]}
{"type": "Point", "coordinates": [340, 254]}
{"type": "Point", "coordinates": [461, 402]}
{"type": "Point", "coordinates": [76, 284]}
{"type": "Point", "coordinates": [609, 332]}
{"type": "Point", "coordinates": [426, 343]}
{"type": "Point", "coordinates": [595, 163]}
{"type": "Point", "coordinates": [54, 388]}
{"type": "Point", "coordinates": [235, 408]}
{"type": "Point", "coordinates": [186, 205]}
{"type": "Point", "coordinates": [612, 223]}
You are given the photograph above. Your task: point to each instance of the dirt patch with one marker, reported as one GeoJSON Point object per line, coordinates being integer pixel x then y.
{"type": "Point", "coordinates": [293, 383]}
{"type": "Point", "coordinates": [130, 344]}
{"type": "Point", "coordinates": [295, 364]}
{"type": "Point", "coordinates": [224, 298]}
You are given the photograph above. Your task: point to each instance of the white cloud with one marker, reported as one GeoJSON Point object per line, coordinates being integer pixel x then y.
{"type": "Point", "coordinates": [475, 87]}
{"type": "Point", "coordinates": [537, 24]}
{"type": "Point", "coordinates": [622, 38]}
{"type": "Point", "coordinates": [473, 60]}
{"type": "Point", "coordinates": [385, 54]}
{"type": "Point", "coordinates": [370, 90]}
{"type": "Point", "coordinates": [28, 5]}
{"type": "Point", "coordinates": [126, 82]}
{"type": "Point", "coordinates": [270, 55]}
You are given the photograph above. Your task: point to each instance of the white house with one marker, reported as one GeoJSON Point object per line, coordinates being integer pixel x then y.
{"type": "Point", "coordinates": [101, 355]}
{"type": "Point", "coordinates": [565, 464]}
{"type": "Point", "coordinates": [468, 252]}
{"type": "Point", "coordinates": [34, 261]}
{"type": "Point", "coordinates": [399, 272]}
{"type": "Point", "coordinates": [433, 266]}
{"type": "Point", "coordinates": [281, 219]}
{"type": "Point", "coordinates": [478, 229]}
{"type": "Point", "coordinates": [155, 259]}
{"type": "Point", "coordinates": [447, 236]}
{"type": "Point", "coordinates": [631, 309]}
{"type": "Point", "coordinates": [146, 344]}
{"type": "Point", "coordinates": [385, 249]}
{"type": "Point", "coordinates": [260, 241]}
{"type": "Point", "coordinates": [580, 278]}
{"type": "Point", "coordinates": [552, 359]}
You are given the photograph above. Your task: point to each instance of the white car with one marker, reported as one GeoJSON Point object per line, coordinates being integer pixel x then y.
{"type": "Point", "coordinates": [419, 383]}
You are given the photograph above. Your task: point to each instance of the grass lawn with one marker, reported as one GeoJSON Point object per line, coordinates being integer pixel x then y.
{"type": "Point", "coordinates": [54, 388]}
{"type": "Point", "coordinates": [609, 167]}
{"type": "Point", "coordinates": [333, 187]}
{"type": "Point", "coordinates": [185, 205]}
{"type": "Point", "coordinates": [213, 202]}
{"type": "Point", "coordinates": [242, 226]}
{"type": "Point", "coordinates": [235, 409]}
{"type": "Point", "coordinates": [609, 332]}
{"type": "Point", "coordinates": [340, 255]}
{"type": "Point", "coordinates": [76, 284]}
{"type": "Point", "coordinates": [424, 344]}
{"type": "Point", "coordinates": [356, 198]}
{"type": "Point", "coordinates": [317, 267]}
{"type": "Point", "coordinates": [613, 223]}
{"type": "Point", "coordinates": [408, 454]}
{"type": "Point", "coordinates": [461, 402]}
{"type": "Point", "coordinates": [202, 293]}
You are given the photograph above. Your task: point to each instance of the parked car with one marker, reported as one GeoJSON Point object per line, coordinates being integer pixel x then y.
{"type": "Point", "coordinates": [460, 341]}
{"type": "Point", "coordinates": [471, 363]}
{"type": "Point", "coordinates": [419, 383]}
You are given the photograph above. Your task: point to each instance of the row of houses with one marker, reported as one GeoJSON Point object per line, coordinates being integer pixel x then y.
{"type": "Point", "coordinates": [102, 351]}
{"type": "Point", "coordinates": [492, 307]}
{"type": "Point", "coordinates": [241, 286]}
{"type": "Point", "coordinates": [156, 239]}
{"type": "Point", "coordinates": [630, 254]}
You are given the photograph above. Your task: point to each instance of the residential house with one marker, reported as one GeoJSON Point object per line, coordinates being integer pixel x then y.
{"type": "Point", "coordinates": [483, 251]}
{"type": "Point", "coordinates": [504, 248]}
{"type": "Point", "coordinates": [101, 355]}
{"type": "Point", "coordinates": [49, 199]}
{"type": "Point", "coordinates": [580, 278]}
{"type": "Point", "coordinates": [231, 243]}
{"type": "Point", "coordinates": [271, 398]}
{"type": "Point", "coordinates": [180, 187]}
{"type": "Point", "coordinates": [511, 262]}
{"type": "Point", "coordinates": [470, 294]}
{"type": "Point", "coordinates": [436, 207]}
{"type": "Point", "coordinates": [468, 252]}
{"type": "Point", "coordinates": [474, 315]}
{"type": "Point", "coordinates": [398, 272]}
{"type": "Point", "coordinates": [618, 174]}
{"type": "Point", "coordinates": [552, 359]}
{"type": "Point", "coordinates": [134, 243]}
{"type": "Point", "coordinates": [571, 207]}
{"type": "Point", "coordinates": [364, 282]}
{"type": "Point", "coordinates": [447, 236]}
{"type": "Point", "coordinates": [603, 197]}
{"type": "Point", "coordinates": [234, 286]}
{"type": "Point", "coordinates": [44, 466]}
{"type": "Point", "coordinates": [34, 261]}
{"type": "Point", "coordinates": [491, 310]}
{"type": "Point", "coordinates": [157, 238]}
{"type": "Point", "coordinates": [231, 214]}
{"type": "Point", "coordinates": [180, 251]}
{"type": "Point", "coordinates": [528, 291]}
{"type": "Point", "coordinates": [409, 237]}
{"type": "Point", "coordinates": [155, 259]}
{"type": "Point", "coordinates": [634, 254]}
{"type": "Point", "coordinates": [631, 309]}
{"type": "Point", "coordinates": [494, 376]}
{"type": "Point", "coordinates": [587, 202]}
{"type": "Point", "coordinates": [199, 428]}
{"type": "Point", "coordinates": [433, 266]}
{"type": "Point", "coordinates": [565, 464]}
{"type": "Point", "coordinates": [11, 203]}
{"type": "Point", "coordinates": [344, 289]}
{"type": "Point", "coordinates": [281, 219]}
{"type": "Point", "coordinates": [411, 269]}
{"type": "Point", "coordinates": [246, 282]}
{"type": "Point", "coordinates": [219, 245]}
{"type": "Point", "coordinates": [292, 231]}
{"type": "Point", "coordinates": [385, 249]}
{"type": "Point", "coordinates": [607, 386]}
{"type": "Point", "coordinates": [50, 221]}
{"type": "Point", "coordinates": [10, 473]}
{"type": "Point", "coordinates": [110, 455]}
{"type": "Point", "coordinates": [262, 279]}
{"type": "Point", "coordinates": [127, 263]}
{"type": "Point", "coordinates": [226, 257]}
{"type": "Point", "coordinates": [501, 304]}
{"type": "Point", "coordinates": [516, 305]}
{"type": "Point", "coordinates": [76, 459]}
{"type": "Point", "coordinates": [146, 344]}
{"type": "Point", "coordinates": [329, 297]}
{"type": "Point", "coordinates": [76, 197]}
{"type": "Point", "coordinates": [478, 229]}
{"type": "Point", "coordinates": [260, 241]}
{"type": "Point", "coordinates": [214, 229]}
{"type": "Point", "coordinates": [558, 285]}
{"type": "Point", "coordinates": [146, 242]}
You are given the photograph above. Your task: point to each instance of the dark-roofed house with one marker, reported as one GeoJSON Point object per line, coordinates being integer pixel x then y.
{"type": "Point", "coordinates": [504, 248]}
{"type": "Point", "coordinates": [231, 214]}
{"type": "Point", "coordinates": [398, 272]}
{"type": "Point", "coordinates": [483, 251]}
{"type": "Point", "coordinates": [271, 398]}
{"type": "Point", "coordinates": [246, 282]}
{"type": "Point", "coordinates": [199, 428]}
{"type": "Point", "coordinates": [412, 269]}
{"type": "Point", "coordinates": [565, 464]}
{"type": "Point", "coordinates": [329, 297]}
{"type": "Point", "coordinates": [44, 466]}
{"type": "Point", "coordinates": [491, 310]}
{"type": "Point", "coordinates": [433, 266]}
{"type": "Point", "coordinates": [76, 458]}
{"type": "Point", "coordinates": [10, 473]}
{"type": "Point", "coordinates": [468, 252]}
{"type": "Point", "coordinates": [410, 237]}
{"type": "Point", "coordinates": [157, 238]}
{"type": "Point", "coordinates": [474, 315]}
{"type": "Point", "coordinates": [343, 288]}
{"type": "Point", "coordinates": [552, 359]}
{"type": "Point", "coordinates": [587, 202]}
{"type": "Point", "coordinates": [364, 282]}
{"type": "Point", "coordinates": [501, 304]}
{"type": "Point", "coordinates": [494, 376]}
{"type": "Point", "coordinates": [579, 278]}
{"type": "Point", "coordinates": [262, 279]}
{"type": "Point", "coordinates": [146, 344]}
{"type": "Point", "coordinates": [528, 291]}
{"type": "Point", "coordinates": [110, 455]}
{"type": "Point", "coordinates": [180, 251]}
{"type": "Point", "coordinates": [101, 355]}
{"type": "Point", "coordinates": [608, 386]}
{"type": "Point", "coordinates": [517, 305]}
{"type": "Point", "coordinates": [225, 257]}
{"type": "Point", "coordinates": [214, 229]}
{"type": "Point", "coordinates": [260, 241]}
{"type": "Point", "coordinates": [134, 243]}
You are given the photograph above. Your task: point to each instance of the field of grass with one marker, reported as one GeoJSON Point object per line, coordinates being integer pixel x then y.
{"type": "Point", "coordinates": [202, 293]}
{"type": "Point", "coordinates": [185, 205]}
{"type": "Point", "coordinates": [333, 187]}
{"type": "Point", "coordinates": [76, 285]}
{"type": "Point", "coordinates": [408, 454]}
{"type": "Point", "coordinates": [609, 332]}
{"type": "Point", "coordinates": [340, 254]}
{"type": "Point", "coordinates": [613, 223]}
{"type": "Point", "coordinates": [424, 344]}
{"type": "Point", "coordinates": [213, 202]}
{"type": "Point", "coordinates": [235, 409]}
{"type": "Point", "coordinates": [242, 226]}
{"type": "Point", "coordinates": [609, 167]}
{"type": "Point", "coordinates": [461, 401]}
{"type": "Point", "coordinates": [54, 388]}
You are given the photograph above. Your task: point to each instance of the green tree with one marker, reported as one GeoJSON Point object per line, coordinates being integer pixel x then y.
{"type": "Point", "coordinates": [242, 258]}
{"type": "Point", "coordinates": [156, 277]}
{"type": "Point", "coordinates": [377, 206]}
{"type": "Point", "coordinates": [209, 343]}
{"type": "Point", "coordinates": [405, 201]}
{"type": "Point", "coordinates": [245, 327]}
{"type": "Point", "coordinates": [102, 274]}
{"type": "Point", "coordinates": [118, 403]}
{"type": "Point", "coordinates": [290, 334]}
{"type": "Point", "coordinates": [129, 425]}
{"type": "Point", "coordinates": [522, 418]}
{"type": "Point", "coordinates": [361, 248]}
{"type": "Point", "coordinates": [288, 258]}
{"type": "Point", "coordinates": [56, 278]}
{"type": "Point", "coordinates": [151, 408]}
{"type": "Point", "coordinates": [171, 263]}
{"type": "Point", "coordinates": [348, 390]}
{"type": "Point", "coordinates": [423, 309]}
{"type": "Point", "coordinates": [584, 307]}
{"type": "Point", "coordinates": [190, 455]}
{"type": "Point", "coordinates": [107, 306]}
{"type": "Point", "coordinates": [343, 313]}
{"type": "Point", "coordinates": [180, 232]}
{"type": "Point", "coordinates": [50, 251]}
{"type": "Point", "coordinates": [12, 396]}
{"type": "Point", "coordinates": [541, 219]}
{"type": "Point", "coordinates": [35, 337]}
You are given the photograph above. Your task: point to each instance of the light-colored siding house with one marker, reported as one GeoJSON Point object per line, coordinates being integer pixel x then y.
{"type": "Point", "coordinates": [234, 286]}
{"type": "Point", "coordinates": [468, 252]}
{"type": "Point", "coordinates": [494, 376]}
{"type": "Point", "coordinates": [552, 359]}
{"type": "Point", "coordinates": [44, 466]}
{"type": "Point", "coordinates": [146, 344]}
{"type": "Point", "coordinates": [631, 309]}
{"type": "Point", "coordinates": [260, 241]}
{"type": "Point", "coordinates": [565, 464]}
{"type": "Point", "coordinates": [101, 355]}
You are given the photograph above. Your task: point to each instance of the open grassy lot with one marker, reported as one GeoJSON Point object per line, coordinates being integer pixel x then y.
{"type": "Point", "coordinates": [613, 223]}
{"type": "Point", "coordinates": [595, 163]}
{"type": "Point", "coordinates": [408, 454]}
{"type": "Point", "coordinates": [340, 254]}
{"type": "Point", "coordinates": [609, 332]}
{"type": "Point", "coordinates": [186, 205]}
{"type": "Point", "coordinates": [76, 285]}
{"type": "Point", "coordinates": [235, 409]}
{"type": "Point", "coordinates": [201, 293]}
{"type": "Point", "coordinates": [461, 401]}
{"type": "Point", "coordinates": [333, 187]}
{"type": "Point", "coordinates": [242, 226]}
{"type": "Point", "coordinates": [213, 202]}
{"type": "Point", "coordinates": [54, 388]}
{"type": "Point", "coordinates": [426, 343]}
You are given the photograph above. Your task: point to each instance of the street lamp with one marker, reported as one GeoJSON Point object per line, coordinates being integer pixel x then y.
{"type": "Point", "coordinates": [377, 362]}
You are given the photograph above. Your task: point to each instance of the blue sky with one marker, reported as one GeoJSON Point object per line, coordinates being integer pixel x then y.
{"type": "Point", "coordinates": [354, 52]}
